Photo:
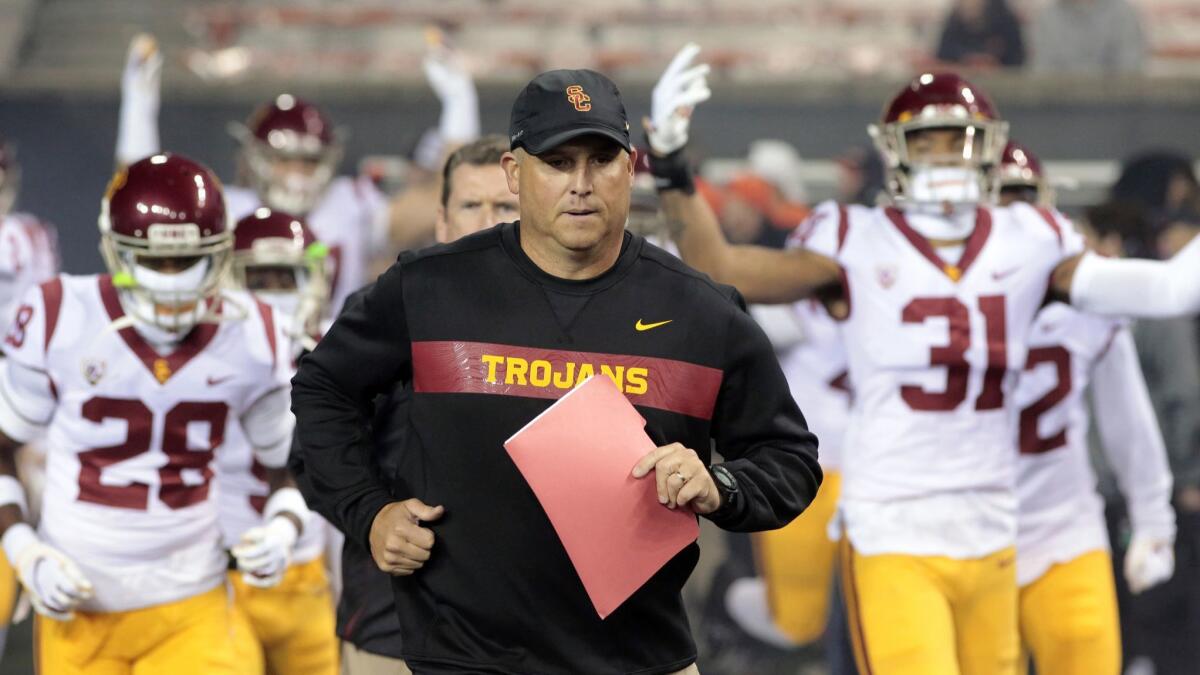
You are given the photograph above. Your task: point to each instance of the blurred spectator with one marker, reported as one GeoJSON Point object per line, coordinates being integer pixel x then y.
{"type": "Point", "coordinates": [1088, 36]}
{"type": "Point", "coordinates": [1163, 182]}
{"type": "Point", "coordinates": [754, 211]}
{"type": "Point", "coordinates": [981, 33]}
{"type": "Point", "coordinates": [859, 176]}
{"type": "Point", "coordinates": [781, 165]}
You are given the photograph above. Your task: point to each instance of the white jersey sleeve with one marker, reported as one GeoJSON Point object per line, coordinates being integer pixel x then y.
{"type": "Point", "coordinates": [1141, 288]}
{"type": "Point", "coordinates": [1070, 240]}
{"type": "Point", "coordinates": [27, 396]}
{"type": "Point", "coordinates": [824, 231]}
{"type": "Point", "coordinates": [1132, 440]}
{"type": "Point", "coordinates": [268, 425]}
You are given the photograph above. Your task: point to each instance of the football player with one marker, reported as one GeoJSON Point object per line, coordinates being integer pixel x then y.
{"type": "Point", "coordinates": [28, 256]}
{"type": "Point", "coordinates": [135, 377]}
{"type": "Point", "coordinates": [288, 158]}
{"type": "Point", "coordinates": [286, 627]}
{"type": "Point", "coordinates": [940, 291]}
{"type": "Point", "coordinates": [1068, 602]}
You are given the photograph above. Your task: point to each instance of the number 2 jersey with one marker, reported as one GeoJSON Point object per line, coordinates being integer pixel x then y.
{"type": "Point", "coordinates": [131, 432]}
{"type": "Point", "coordinates": [1061, 515]}
{"type": "Point", "coordinates": [934, 342]}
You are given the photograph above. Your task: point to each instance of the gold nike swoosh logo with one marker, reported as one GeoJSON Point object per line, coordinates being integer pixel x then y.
{"type": "Point", "coordinates": [647, 326]}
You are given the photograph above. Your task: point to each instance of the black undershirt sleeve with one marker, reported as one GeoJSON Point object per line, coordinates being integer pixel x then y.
{"type": "Point", "coordinates": [366, 352]}
{"type": "Point", "coordinates": [762, 435]}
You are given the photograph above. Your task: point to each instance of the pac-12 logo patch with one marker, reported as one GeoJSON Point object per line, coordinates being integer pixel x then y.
{"type": "Point", "coordinates": [93, 371]}
{"type": "Point", "coordinates": [886, 275]}
{"type": "Point", "coordinates": [578, 98]}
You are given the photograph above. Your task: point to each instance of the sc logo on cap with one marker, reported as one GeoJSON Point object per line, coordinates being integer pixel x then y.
{"type": "Point", "coordinates": [578, 98]}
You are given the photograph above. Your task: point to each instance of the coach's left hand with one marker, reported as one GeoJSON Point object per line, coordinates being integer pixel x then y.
{"type": "Point", "coordinates": [683, 480]}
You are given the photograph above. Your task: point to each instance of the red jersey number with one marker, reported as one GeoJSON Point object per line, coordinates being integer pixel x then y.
{"type": "Point", "coordinates": [16, 334]}
{"type": "Point", "coordinates": [1031, 442]}
{"type": "Point", "coordinates": [953, 355]}
{"type": "Point", "coordinates": [175, 491]}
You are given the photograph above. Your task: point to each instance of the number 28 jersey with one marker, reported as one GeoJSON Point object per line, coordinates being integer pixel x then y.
{"type": "Point", "coordinates": [933, 347]}
{"type": "Point", "coordinates": [131, 433]}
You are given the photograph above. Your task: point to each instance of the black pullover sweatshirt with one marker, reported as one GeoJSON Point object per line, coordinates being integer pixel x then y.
{"type": "Point", "coordinates": [485, 341]}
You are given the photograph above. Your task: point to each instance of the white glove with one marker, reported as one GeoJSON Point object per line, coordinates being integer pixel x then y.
{"type": "Point", "coordinates": [1148, 562]}
{"type": "Point", "coordinates": [264, 552]}
{"type": "Point", "coordinates": [447, 73]}
{"type": "Point", "coordinates": [141, 87]}
{"type": "Point", "coordinates": [55, 583]}
{"type": "Point", "coordinates": [746, 602]}
{"type": "Point", "coordinates": [681, 87]}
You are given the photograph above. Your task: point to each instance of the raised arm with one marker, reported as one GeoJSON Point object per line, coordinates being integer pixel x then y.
{"type": "Point", "coordinates": [761, 274]}
{"type": "Point", "coordinates": [1152, 289]}
{"type": "Point", "coordinates": [141, 85]}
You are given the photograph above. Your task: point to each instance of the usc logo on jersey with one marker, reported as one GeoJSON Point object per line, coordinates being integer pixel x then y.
{"type": "Point", "coordinates": [578, 98]}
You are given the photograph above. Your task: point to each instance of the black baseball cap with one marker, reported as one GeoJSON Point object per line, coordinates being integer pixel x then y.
{"type": "Point", "coordinates": [559, 105]}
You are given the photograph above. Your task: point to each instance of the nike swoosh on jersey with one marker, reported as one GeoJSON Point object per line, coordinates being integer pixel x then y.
{"type": "Point", "coordinates": [647, 326]}
{"type": "Point", "coordinates": [214, 381]}
{"type": "Point", "coordinates": [998, 275]}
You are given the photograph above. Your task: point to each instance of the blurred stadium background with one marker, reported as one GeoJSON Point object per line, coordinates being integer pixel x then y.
{"type": "Point", "coordinates": [813, 73]}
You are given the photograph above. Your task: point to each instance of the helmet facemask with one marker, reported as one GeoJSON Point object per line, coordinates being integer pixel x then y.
{"type": "Point", "coordinates": [290, 278]}
{"type": "Point", "coordinates": [292, 171]}
{"type": "Point", "coordinates": [168, 278]}
{"type": "Point", "coordinates": [961, 173]}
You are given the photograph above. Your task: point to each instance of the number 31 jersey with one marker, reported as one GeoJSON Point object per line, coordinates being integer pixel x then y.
{"type": "Point", "coordinates": [131, 432]}
{"type": "Point", "coordinates": [934, 341]}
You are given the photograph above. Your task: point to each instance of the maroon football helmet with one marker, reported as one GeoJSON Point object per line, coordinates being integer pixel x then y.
{"type": "Point", "coordinates": [166, 207]}
{"type": "Point", "coordinates": [1021, 174]}
{"type": "Point", "coordinates": [290, 151]}
{"type": "Point", "coordinates": [10, 177]}
{"type": "Point", "coordinates": [267, 243]}
{"type": "Point", "coordinates": [940, 101]}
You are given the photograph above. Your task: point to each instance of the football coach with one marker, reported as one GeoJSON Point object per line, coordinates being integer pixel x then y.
{"type": "Point", "coordinates": [487, 332]}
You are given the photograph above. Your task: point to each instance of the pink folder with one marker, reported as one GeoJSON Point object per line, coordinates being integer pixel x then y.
{"type": "Point", "coordinates": [578, 456]}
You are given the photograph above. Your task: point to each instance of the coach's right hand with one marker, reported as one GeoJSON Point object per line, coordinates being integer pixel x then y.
{"type": "Point", "coordinates": [399, 544]}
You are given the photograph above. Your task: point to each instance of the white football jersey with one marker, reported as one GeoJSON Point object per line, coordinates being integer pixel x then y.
{"type": "Point", "coordinates": [1061, 515]}
{"type": "Point", "coordinates": [131, 432]}
{"type": "Point", "coordinates": [817, 375]}
{"type": "Point", "coordinates": [350, 218]}
{"type": "Point", "coordinates": [28, 256]}
{"type": "Point", "coordinates": [933, 349]}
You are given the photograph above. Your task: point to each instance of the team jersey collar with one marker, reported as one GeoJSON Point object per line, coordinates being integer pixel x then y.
{"type": "Point", "coordinates": [162, 367]}
{"type": "Point", "coordinates": [971, 250]}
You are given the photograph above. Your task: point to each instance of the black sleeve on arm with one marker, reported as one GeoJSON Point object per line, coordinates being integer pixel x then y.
{"type": "Point", "coordinates": [762, 435]}
{"type": "Point", "coordinates": [365, 352]}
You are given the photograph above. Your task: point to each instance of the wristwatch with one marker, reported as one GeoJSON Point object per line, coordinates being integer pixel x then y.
{"type": "Point", "coordinates": [727, 486]}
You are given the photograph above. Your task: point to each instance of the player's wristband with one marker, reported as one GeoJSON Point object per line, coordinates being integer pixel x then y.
{"type": "Point", "coordinates": [672, 172]}
{"type": "Point", "coordinates": [287, 500]}
{"type": "Point", "coordinates": [12, 492]}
